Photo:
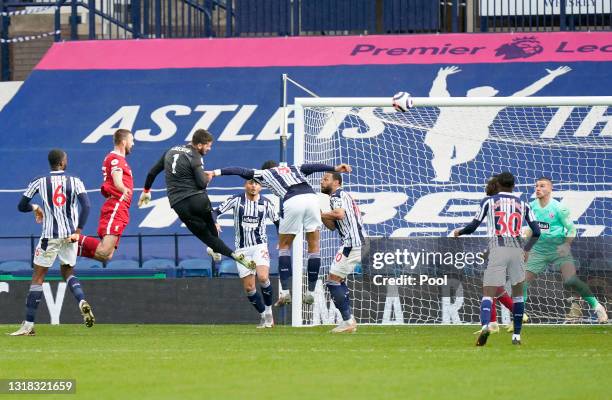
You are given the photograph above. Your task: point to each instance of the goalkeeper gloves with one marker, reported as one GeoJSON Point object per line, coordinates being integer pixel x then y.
{"type": "Point", "coordinates": [145, 198]}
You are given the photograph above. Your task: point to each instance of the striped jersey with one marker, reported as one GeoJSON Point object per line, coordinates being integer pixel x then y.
{"type": "Point", "coordinates": [505, 213]}
{"type": "Point", "coordinates": [249, 218]}
{"type": "Point", "coordinates": [59, 193]}
{"type": "Point", "coordinates": [283, 179]}
{"type": "Point", "coordinates": [351, 227]}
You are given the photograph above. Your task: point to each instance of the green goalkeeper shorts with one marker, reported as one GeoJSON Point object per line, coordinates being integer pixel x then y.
{"type": "Point", "coordinates": [539, 261]}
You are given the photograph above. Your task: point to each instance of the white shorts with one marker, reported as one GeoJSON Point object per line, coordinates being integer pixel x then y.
{"type": "Point", "coordinates": [504, 260]}
{"type": "Point", "coordinates": [48, 249]}
{"type": "Point", "coordinates": [300, 212]}
{"type": "Point", "coordinates": [345, 265]}
{"type": "Point", "coordinates": [258, 253]}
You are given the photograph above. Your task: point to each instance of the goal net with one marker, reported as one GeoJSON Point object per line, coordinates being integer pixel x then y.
{"type": "Point", "coordinates": [421, 174]}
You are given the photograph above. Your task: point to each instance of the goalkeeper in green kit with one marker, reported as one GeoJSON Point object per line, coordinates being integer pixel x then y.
{"type": "Point", "coordinates": [557, 234]}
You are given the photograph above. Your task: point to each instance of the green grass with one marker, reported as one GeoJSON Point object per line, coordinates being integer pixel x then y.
{"type": "Point", "coordinates": [240, 362]}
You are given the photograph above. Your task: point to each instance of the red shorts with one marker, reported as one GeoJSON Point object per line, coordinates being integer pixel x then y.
{"type": "Point", "coordinates": [114, 217]}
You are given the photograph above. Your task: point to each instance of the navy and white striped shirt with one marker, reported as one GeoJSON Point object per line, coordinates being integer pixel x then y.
{"type": "Point", "coordinates": [505, 213]}
{"type": "Point", "coordinates": [283, 181]}
{"type": "Point", "coordinates": [351, 227]}
{"type": "Point", "coordinates": [280, 179]}
{"type": "Point", "coordinates": [249, 218]}
{"type": "Point", "coordinates": [60, 197]}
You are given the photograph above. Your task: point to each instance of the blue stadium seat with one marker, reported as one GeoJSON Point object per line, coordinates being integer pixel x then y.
{"type": "Point", "coordinates": [228, 269]}
{"type": "Point", "coordinates": [16, 265]}
{"type": "Point", "coordinates": [196, 267]}
{"type": "Point", "coordinates": [87, 263]}
{"type": "Point", "coordinates": [163, 265]}
{"type": "Point", "coordinates": [123, 264]}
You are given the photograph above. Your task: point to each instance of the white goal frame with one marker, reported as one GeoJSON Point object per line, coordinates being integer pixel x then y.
{"type": "Point", "coordinates": [386, 102]}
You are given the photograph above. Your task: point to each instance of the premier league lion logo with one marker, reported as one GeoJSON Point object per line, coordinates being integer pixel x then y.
{"type": "Point", "coordinates": [524, 47]}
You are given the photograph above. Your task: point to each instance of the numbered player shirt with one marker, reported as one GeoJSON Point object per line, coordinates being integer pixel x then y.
{"type": "Point", "coordinates": [284, 180]}
{"type": "Point", "coordinates": [184, 170]}
{"type": "Point", "coordinates": [59, 193]}
{"type": "Point", "coordinates": [505, 213]}
{"type": "Point", "coordinates": [555, 224]}
{"type": "Point", "coordinates": [249, 218]}
{"type": "Point", "coordinates": [351, 227]}
{"type": "Point", "coordinates": [116, 162]}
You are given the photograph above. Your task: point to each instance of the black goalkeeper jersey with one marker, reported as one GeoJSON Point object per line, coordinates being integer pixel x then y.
{"type": "Point", "coordinates": [184, 170]}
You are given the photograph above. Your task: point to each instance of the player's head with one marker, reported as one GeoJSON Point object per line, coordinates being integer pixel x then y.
{"type": "Point", "coordinates": [482, 91]}
{"type": "Point", "coordinates": [269, 164]}
{"type": "Point", "coordinates": [505, 182]}
{"type": "Point", "coordinates": [252, 187]}
{"type": "Point", "coordinates": [58, 160]}
{"type": "Point", "coordinates": [124, 139]}
{"type": "Point", "coordinates": [491, 188]}
{"type": "Point", "coordinates": [544, 187]}
{"type": "Point", "coordinates": [202, 140]}
{"type": "Point", "coordinates": [330, 182]}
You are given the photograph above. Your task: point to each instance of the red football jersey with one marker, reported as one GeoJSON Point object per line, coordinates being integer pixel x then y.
{"type": "Point", "coordinates": [113, 162]}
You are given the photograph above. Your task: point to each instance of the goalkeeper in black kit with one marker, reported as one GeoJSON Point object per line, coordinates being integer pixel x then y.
{"type": "Point", "coordinates": [186, 186]}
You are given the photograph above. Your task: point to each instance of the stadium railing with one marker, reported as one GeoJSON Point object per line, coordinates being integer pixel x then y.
{"type": "Point", "coordinates": [132, 19]}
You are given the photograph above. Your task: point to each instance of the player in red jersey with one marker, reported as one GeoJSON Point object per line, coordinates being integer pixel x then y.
{"type": "Point", "coordinates": [117, 187]}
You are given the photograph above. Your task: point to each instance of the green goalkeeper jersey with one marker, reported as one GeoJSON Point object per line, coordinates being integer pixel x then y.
{"type": "Point", "coordinates": [555, 225]}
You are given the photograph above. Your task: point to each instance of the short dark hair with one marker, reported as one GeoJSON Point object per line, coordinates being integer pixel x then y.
{"type": "Point", "coordinates": [505, 180]}
{"type": "Point", "coordinates": [544, 178]}
{"type": "Point", "coordinates": [269, 164]}
{"type": "Point", "coordinates": [201, 136]}
{"type": "Point", "coordinates": [336, 176]}
{"type": "Point", "coordinates": [491, 188]}
{"type": "Point", "coordinates": [55, 157]}
{"type": "Point", "coordinates": [120, 134]}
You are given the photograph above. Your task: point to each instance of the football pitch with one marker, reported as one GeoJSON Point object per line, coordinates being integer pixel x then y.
{"type": "Point", "coordinates": [377, 362]}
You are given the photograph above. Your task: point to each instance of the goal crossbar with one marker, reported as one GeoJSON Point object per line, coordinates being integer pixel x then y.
{"type": "Point", "coordinates": [555, 101]}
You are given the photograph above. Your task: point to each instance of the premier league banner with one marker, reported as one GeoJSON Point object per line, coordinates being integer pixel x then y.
{"type": "Point", "coordinates": [164, 90]}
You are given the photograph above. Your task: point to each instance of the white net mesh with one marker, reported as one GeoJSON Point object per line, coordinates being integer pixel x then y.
{"type": "Point", "coordinates": [423, 172]}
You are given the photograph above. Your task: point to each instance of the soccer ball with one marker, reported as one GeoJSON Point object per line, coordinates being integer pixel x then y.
{"type": "Point", "coordinates": [402, 101]}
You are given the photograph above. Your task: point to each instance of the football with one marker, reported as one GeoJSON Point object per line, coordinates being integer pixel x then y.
{"type": "Point", "coordinates": [402, 101]}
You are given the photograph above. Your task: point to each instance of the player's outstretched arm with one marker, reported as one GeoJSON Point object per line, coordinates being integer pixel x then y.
{"type": "Point", "coordinates": [343, 168]}
{"type": "Point", "coordinates": [308, 169]}
{"type": "Point", "coordinates": [245, 173]}
{"type": "Point", "coordinates": [145, 196]}
{"type": "Point", "coordinates": [478, 218]}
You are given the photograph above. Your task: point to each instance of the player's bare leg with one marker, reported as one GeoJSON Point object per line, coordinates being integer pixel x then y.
{"type": "Point", "coordinates": [32, 301]}
{"type": "Point", "coordinates": [339, 294]}
{"type": "Point", "coordinates": [571, 281]}
{"type": "Point", "coordinates": [75, 287]}
{"type": "Point", "coordinates": [314, 264]}
{"type": "Point", "coordinates": [106, 248]}
{"type": "Point", "coordinates": [285, 241]}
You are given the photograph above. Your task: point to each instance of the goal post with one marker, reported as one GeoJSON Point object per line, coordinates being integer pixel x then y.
{"type": "Point", "coordinates": [421, 173]}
